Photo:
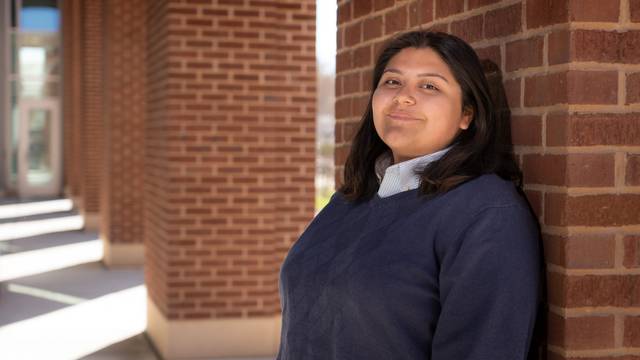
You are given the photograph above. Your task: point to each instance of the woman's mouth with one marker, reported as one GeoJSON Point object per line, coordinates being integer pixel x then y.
{"type": "Point", "coordinates": [402, 116]}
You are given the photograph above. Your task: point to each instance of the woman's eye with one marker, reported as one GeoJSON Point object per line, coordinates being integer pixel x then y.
{"type": "Point", "coordinates": [391, 82]}
{"type": "Point", "coordinates": [429, 87]}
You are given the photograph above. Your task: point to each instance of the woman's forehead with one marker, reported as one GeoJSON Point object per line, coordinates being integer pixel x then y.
{"type": "Point", "coordinates": [418, 61]}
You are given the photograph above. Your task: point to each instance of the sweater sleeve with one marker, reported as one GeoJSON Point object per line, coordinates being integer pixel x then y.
{"type": "Point", "coordinates": [489, 287]}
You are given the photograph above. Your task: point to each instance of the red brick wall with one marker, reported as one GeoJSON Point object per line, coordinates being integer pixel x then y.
{"type": "Point", "coordinates": [121, 204]}
{"type": "Point", "coordinates": [229, 151]}
{"type": "Point", "coordinates": [576, 133]}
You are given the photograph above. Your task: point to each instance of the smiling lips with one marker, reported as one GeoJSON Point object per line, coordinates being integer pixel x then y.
{"type": "Point", "coordinates": [402, 116]}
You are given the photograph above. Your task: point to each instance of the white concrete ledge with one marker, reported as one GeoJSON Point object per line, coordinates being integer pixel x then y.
{"type": "Point", "coordinates": [212, 338]}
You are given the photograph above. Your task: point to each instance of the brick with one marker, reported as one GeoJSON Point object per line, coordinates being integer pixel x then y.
{"type": "Point", "coordinates": [559, 47]}
{"type": "Point", "coordinates": [395, 20]}
{"type": "Point", "coordinates": [524, 53]}
{"type": "Point", "coordinates": [633, 88]}
{"type": "Point", "coordinates": [634, 10]}
{"type": "Point", "coordinates": [382, 4]}
{"type": "Point", "coordinates": [344, 12]}
{"type": "Point", "coordinates": [344, 61]}
{"type": "Point", "coordinates": [352, 83]}
{"type": "Point", "coordinates": [353, 34]}
{"type": "Point", "coordinates": [526, 130]}
{"type": "Point", "coordinates": [589, 332]}
{"type": "Point", "coordinates": [512, 91]}
{"type": "Point", "coordinates": [546, 12]}
{"type": "Point", "coordinates": [446, 8]}
{"type": "Point", "coordinates": [490, 53]}
{"type": "Point", "coordinates": [632, 171]}
{"type": "Point", "coordinates": [504, 21]}
{"type": "Point", "coordinates": [581, 333]}
{"type": "Point", "coordinates": [544, 169]}
{"type": "Point", "coordinates": [592, 210]}
{"type": "Point", "coordinates": [372, 28]}
{"type": "Point", "coordinates": [580, 251]}
{"type": "Point", "coordinates": [594, 10]}
{"type": "Point", "coordinates": [580, 89]}
{"type": "Point", "coordinates": [606, 46]}
{"type": "Point", "coordinates": [362, 56]}
{"type": "Point", "coordinates": [545, 90]}
{"type": "Point", "coordinates": [469, 29]}
{"type": "Point", "coordinates": [593, 129]}
{"type": "Point", "coordinates": [367, 79]}
{"type": "Point", "coordinates": [414, 14]}
{"type": "Point", "coordinates": [631, 251]}
{"type": "Point", "coordinates": [631, 331]}
{"type": "Point", "coordinates": [602, 290]}
{"type": "Point", "coordinates": [362, 8]}
{"type": "Point", "coordinates": [573, 87]}
{"type": "Point", "coordinates": [343, 108]}
{"type": "Point", "coordinates": [584, 170]}
{"type": "Point", "coordinates": [426, 11]}
{"type": "Point", "coordinates": [358, 105]}
{"type": "Point", "coordinates": [590, 170]}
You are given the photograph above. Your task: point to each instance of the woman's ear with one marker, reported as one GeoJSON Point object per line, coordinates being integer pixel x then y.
{"type": "Point", "coordinates": [467, 117]}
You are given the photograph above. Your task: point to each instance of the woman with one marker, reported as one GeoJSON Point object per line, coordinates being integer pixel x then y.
{"type": "Point", "coordinates": [428, 250]}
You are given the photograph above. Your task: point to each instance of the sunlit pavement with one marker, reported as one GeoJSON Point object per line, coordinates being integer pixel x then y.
{"type": "Point", "coordinates": [57, 301]}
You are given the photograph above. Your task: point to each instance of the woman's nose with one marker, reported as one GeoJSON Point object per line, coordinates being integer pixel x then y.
{"type": "Point", "coordinates": [404, 97]}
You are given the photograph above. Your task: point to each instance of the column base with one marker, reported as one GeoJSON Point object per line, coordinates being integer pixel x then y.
{"type": "Point", "coordinates": [91, 221]}
{"type": "Point", "coordinates": [212, 338]}
{"type": "Point", "coordinates": [122, 254]}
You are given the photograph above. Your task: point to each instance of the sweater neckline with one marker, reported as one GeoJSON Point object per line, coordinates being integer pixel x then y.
{"type": "Point", "coordinates": [377, 201]}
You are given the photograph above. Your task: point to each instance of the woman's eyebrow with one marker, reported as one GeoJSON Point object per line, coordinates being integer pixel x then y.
{"type": "Point", "coordinates": [423, 74]}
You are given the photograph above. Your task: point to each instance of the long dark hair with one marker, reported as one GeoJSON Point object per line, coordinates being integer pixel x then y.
{"type": "Point", "coordinates": [485, 147]}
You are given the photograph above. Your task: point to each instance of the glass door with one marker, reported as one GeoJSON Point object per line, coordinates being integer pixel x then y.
{"type": "Point", "coordinates": [39, 158]}
{"type": "Point", "coordinates": [32, 83]}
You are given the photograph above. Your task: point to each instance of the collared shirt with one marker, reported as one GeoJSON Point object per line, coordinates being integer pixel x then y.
{"type": "Point", "coordinates": [402, 176]}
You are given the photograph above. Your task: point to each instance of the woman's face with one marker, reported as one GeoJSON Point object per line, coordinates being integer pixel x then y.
{"type": "Point", "coordinates": [417, 105]}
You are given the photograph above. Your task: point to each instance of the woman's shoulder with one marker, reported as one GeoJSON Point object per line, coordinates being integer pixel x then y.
{"type": "Point", "coordinates": [485, 191]}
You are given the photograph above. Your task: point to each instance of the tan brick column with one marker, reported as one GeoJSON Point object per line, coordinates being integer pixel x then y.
{"type": "Point", "coordinates": [571, 75]}
{"type": "Point", "coordinates": [121, 202]}
{"type": "Point", "coordinates": [229, 169]}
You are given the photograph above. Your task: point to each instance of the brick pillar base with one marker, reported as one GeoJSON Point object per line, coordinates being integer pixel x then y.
{"type": "Point", "coordinates": [233, 337]}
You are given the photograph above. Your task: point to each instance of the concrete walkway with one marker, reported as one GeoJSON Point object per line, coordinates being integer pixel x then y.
{"type": "Point", "coordinates": [57, 300]}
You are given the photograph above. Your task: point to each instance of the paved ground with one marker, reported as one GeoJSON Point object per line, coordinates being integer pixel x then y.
{"type": "Point", "coordinates": [57, 300]}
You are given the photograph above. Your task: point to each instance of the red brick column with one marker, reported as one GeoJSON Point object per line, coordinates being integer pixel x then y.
{"type": "Point", "coordinates": [123, 93]}
{"type": "Point", "coordinates": [83, 100]}
{"type": "Point", "coordinates": [229, 168]}
{"type": "Point", "coordinates": [83, 105]}
{"type": "Point", "coordinates": [72, 25]}
{"type": "Point", "coordinates": [571, 76]}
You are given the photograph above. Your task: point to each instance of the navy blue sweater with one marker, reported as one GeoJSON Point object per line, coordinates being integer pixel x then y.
{"type": "Point", "coordinates": [454, 277]}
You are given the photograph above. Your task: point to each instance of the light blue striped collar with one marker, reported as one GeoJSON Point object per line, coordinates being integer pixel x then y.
{"type": "Point", "coordinates": [401, 176]}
